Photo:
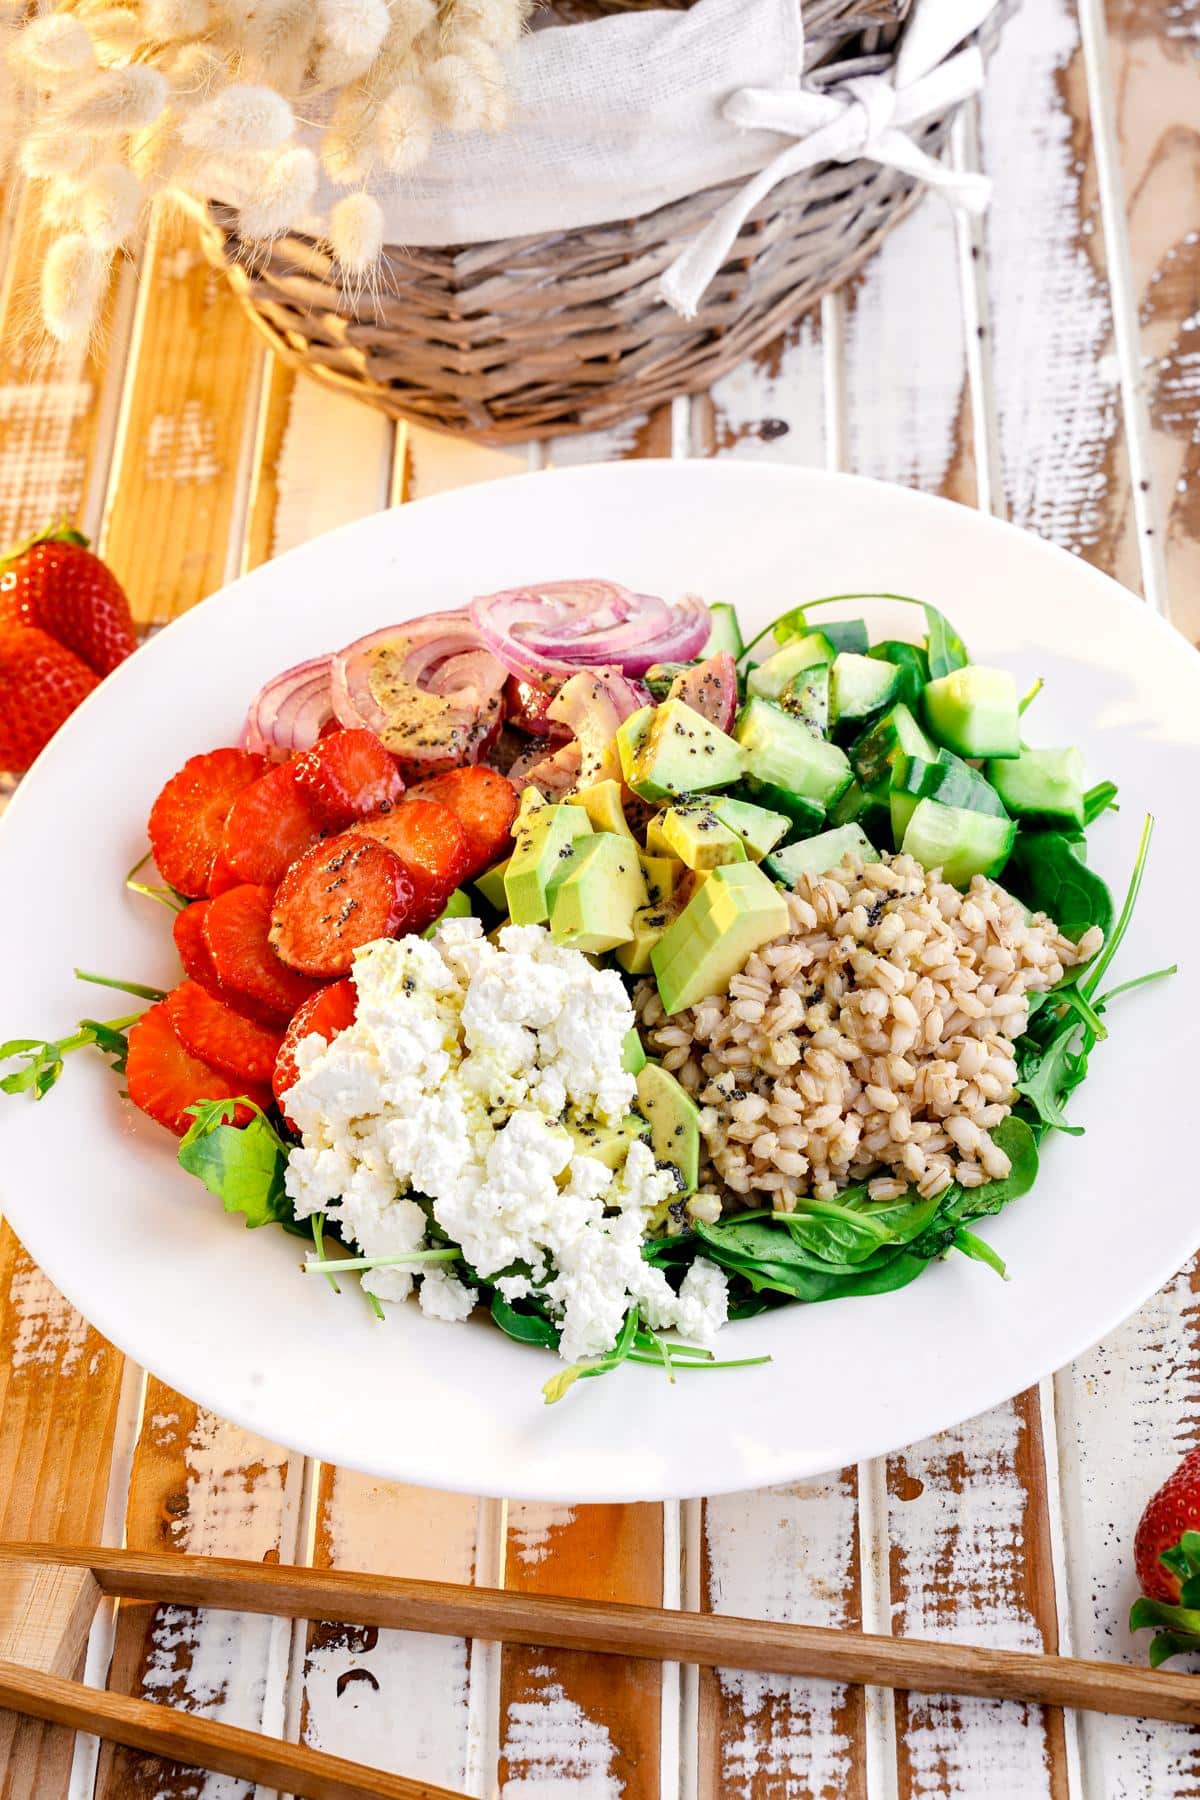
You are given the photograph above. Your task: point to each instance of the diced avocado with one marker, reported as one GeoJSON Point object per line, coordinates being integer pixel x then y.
{"type": "Point", "coordinates": [602, 804]}
{"type": "Point", "coordinates": [649, 923]}
{"type": "Point", "coordinates": [974, 711]}
{"type": "Point", "coordinates": [633, 1056]}
{"type": "Point", "coordinates": [592, 905]}
{"type": "Point", "coordinates": [860, 687]}
{"type": "Point", "coordinates": [630, 733]}
{"type": "Point", "coordinates": [726, 633]}
{"type": "Point", "coordinates": [850, 635]}
{"type": "Point", "coordinates": [532, 800]}
{"type": "Point", "coordinates": [733, 911]}
{"type": "Point", "coordinates": [1042, 787]}
{"type": "Point", "coordinates": [458, 906]}
{"type": "Point", "coordinates": [806, 816]}
{"type": "Point", "coordinates": [759, 828]}
{"type": "Point", "coordinates": [913, 664]}
{"type": "Point", "coordinates": [491, 885]}
{"type": "Point", "coordinates": [828, 850]}
{"type": "Point", "coordinates": [682, 753]}
{"type": "Point", "coordinates": [543, 841]}
{"type": "Point", "coordinates": [781, 750]}
{"type": "Point", "coordinates": [959, 843]}
{"type": "Point", "coordinates": [772, 679]}
{"type": "Point", "coordinates": [661, 875]}
{"type": "Point", "coordinates": [607, 1144]}
{"type": "Point", "coordinates": [890, 741]}
{"type": "Point", "coordinates": [674, 1122]}
{"type": "Point", "coordinates": [808, 698]}
{"type": "Point", "coordinates": [696, 836]}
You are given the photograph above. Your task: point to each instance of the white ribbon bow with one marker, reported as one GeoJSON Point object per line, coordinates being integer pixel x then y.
{"type": "Point", "coordinates": [866, 116]}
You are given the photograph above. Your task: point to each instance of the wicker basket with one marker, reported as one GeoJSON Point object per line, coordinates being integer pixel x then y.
{"type": "Point", "coordinates": [539, 336]}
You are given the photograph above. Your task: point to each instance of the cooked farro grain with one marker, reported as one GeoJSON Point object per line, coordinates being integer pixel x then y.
{"type": "Point", "coordinates": [873, 1043]}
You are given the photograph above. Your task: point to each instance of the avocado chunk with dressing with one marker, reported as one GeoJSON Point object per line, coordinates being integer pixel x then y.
{"type": "Point", "coordinates": [734, 911]}
{"type": "Point", "coordinates": [649, 923]}
{"type": "Point", "coordinates": [602, 804]}
{"type": "Point", "coordinates": [696, 836]}
{"type": "Point", "coordinates": [759, 828]}
{"type": "Point", "coordinates": [683, 753]}
{"type": "Point", "coordinates": [491, 885]}
{"type": "Point", "coordinates": [608, 1144]}
{"type": "Point", "coordinates": [593, 903]}
{"type": "Point", "coordinates": [631, 734]}
{"type": "Point", "coordinates": [633, 1054]}
{"type": "Point", "coordinates": [661, 875]}
{"type": "Point", "coordinates": [542, 847]}
{"type": "Point", "coordinates": [674, 1123]}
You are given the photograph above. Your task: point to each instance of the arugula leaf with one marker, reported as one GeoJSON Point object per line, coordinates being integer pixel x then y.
{"type": "Point", "coordinates": [1047, 871]}
{"type": "Point", "coordinates": [44, 1058]}
{"type": "Point", "coordinates": [1113, 939]}
{"type": "Point", "coordinates": [1099, 799]}
{"type": "Point", "coordinates": [1028, 699]}
{"type": "Point", "coordinates": [166, 895]}
{"type": "Point", "coordinates": [136, 988]}
{"type": "Point", "coordinates": [565, 1379]}
{"type": "Point", "coordinates": [978, 1251]}
{"type": "Point", "coordinates": [525, 1327]}
{"type": "Point", "coordinates": [242, 1165]}
{"type": "Point", "coordinates": [945, 647]}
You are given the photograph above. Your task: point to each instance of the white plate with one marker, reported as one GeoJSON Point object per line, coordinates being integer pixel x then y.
{"type": "Point", "coordinates": [224, 1315]}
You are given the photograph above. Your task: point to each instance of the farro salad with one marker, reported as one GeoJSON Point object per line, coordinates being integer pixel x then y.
{"type": "Point", "coordinates": [563, 958]}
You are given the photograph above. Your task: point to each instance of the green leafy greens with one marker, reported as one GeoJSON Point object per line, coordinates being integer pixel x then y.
{"type": "Point", "coordinates": [243, 1165]}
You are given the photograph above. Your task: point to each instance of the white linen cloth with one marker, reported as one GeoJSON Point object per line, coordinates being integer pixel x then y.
{"type": "Point", "coordinates": [615, 118]}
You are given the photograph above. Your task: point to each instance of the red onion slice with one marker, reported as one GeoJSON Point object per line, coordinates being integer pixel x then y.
{"type": "Point", "coordinates": [552, 627]}
{"type": "Point", "coordinates": [446, 688]}
{"type": "Point", "coordinates": [592, 703]}
{"type": "Point", "coordinates": [291, 709]}
{"type": "Point", "coordinates": [554, 774]}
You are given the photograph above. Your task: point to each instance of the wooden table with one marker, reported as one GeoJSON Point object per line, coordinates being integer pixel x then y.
{"type": "Point", "coordinates": [1046, 367]}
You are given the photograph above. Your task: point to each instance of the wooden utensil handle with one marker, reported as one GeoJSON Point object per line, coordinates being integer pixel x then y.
{"type": "Point", "coordinates": [205, 1743]}
{"type": "Point", "coordinates": [640, 1631]}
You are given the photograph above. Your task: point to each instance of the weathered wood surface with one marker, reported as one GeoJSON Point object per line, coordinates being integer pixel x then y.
{"type": "Point", "coordinates": [1046, 366]}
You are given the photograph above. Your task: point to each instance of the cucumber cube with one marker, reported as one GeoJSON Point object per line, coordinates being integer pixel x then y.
{"type": "Point", "coordinates": [726, 633]}
{"type": "Point", "coordinates": [887, 746]}
{"type": "Point", "coordinates": [860, 687]}
{"type": "Point", "coordinates": [974, 711]}
{"type": "Point", "coordinates": [782, 751]}
{"type": "Point", "coordinates": [1042, 787]}
{"type": "Point", "coordinates": [772, 679]}
{"type": "Point", "coordinates": [961, 844]}
{"type": "Point", "coordinates": [828, 850]}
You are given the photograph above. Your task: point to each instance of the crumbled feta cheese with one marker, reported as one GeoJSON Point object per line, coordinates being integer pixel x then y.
{"type": "Point", "coordinates": [466, 1062]}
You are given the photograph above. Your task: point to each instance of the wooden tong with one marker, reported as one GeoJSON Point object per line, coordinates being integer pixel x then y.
{"type": "Point", "coordinates": [48, 1597]}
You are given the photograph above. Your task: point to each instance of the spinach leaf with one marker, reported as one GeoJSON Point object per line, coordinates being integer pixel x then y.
{"type": "Point", "coordinates": [1047, 871]}
{"type": "Point", "coordinates": [525, 1326]}
{"type": "Point", "coordinates": [978, 1251]}
{"type": "Point", "coordinates": [242, 1165]}
{"type": "Point", "coordinates": [946, 649]}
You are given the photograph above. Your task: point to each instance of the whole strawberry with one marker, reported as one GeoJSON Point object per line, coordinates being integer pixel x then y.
{"type": "Point", "coordinates": [41, 682]}
{"type": "Point", "coordinates": [1166, 1554]}
{"type": "Point", "coordinates": [54, 582]}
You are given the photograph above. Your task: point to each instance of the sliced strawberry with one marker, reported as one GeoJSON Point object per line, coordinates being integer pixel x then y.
{"type": "Point", "coordinates": [433, 847]}
{"type": "Point", "coordinates": [485, 805]}
{"type": "Point", "coordinates": [344, 893]}
{"type": "Point", "coordinates": [269, 827]}
{"type": "Point", "coordinates": [346, 776]}
{"type": "Point", "coordinates": [210, 1028]}
{"type": "Point", "coordinates": [223, 877]}
{"type": "Point", "coordinates": [164, 1079]}
{"type": "Point", "coordinates": [188, 932]}
{"type": "Point", "coordinates": [236, 929]}
{"type": "Point", "coordinates": [328, 1011]}
{"type": "Point", "coordinates": [187, 819]}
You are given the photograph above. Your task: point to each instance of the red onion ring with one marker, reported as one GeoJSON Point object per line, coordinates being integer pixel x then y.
{"type": "Point", "coordinates": [444, 657]}
{"type": "Point", "coordinates": [552, 627]}
{"type": "Point", "coordinates": [290, 711]}
{"type": "Point", "coordinates": [553, 774]}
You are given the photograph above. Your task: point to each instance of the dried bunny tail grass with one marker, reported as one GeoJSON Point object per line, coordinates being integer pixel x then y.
{"type": "Point", "coordinates": [498, 22]}
{"type": "Point", "coordinates": [109, 204]}
{"type": "Point", "coordinates": [114, 100]}
{"type": "Point", "coordinates": [489, 69]}
{"type": "Point", "coordinates": [74, 279]}
{"type": "Point", "coordinates": [167, 21]}
{"type": "Point", "coordinates": [356, 233]}
{"type": "Point", "coordinates": [157, 154]}
{"type": "Point", "coordinates": [287, 187]}
{"type": "Point", "coordinates": [277, 41]}
{"type": "Point", "coordinates": [458, 94]}
{"type": "Point", "coordinates": [51, 152]}
{"type": "Point", "coordinates": [334, 68]}
{"type": "Point", "coordinates": [196, 70]}
{"type": "Point", "coordinates": [404, 129]}
{"type": "Point", "coordinates": [55, 45]}
{"type": "Point", "coordinates": [353, 28]}
{"type": "Point", "coordinates": [116, 32]}
{"type": "Point", "coordinates": [239, 117]}
{"type": "Point", "coordinates": [348, 146]}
